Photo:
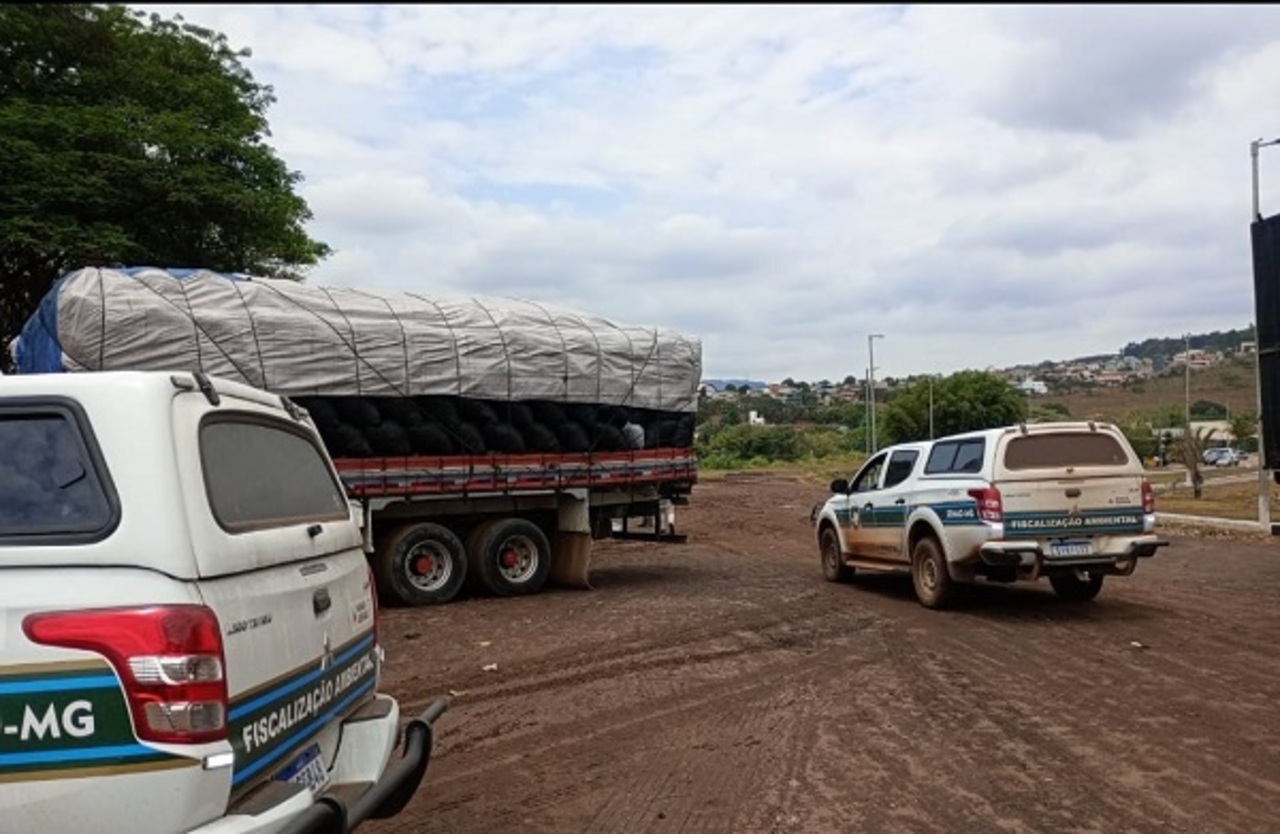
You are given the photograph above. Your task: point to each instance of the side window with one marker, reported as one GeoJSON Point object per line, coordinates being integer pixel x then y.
{"type": "Point", "coordinates": [962, 456]}
{"type": "Point", "coordinates": [869, 478]}
{"type": "Point", "coordinates": [53, 483]}
{"type": "Point", "coordinates": [900, 465]}
{"type": "Point", "coordinates": [969, 456]}
{"type": "Point", "coordinates": [259, 474]}
{"type": "Point", "coordinates": [941, 458]}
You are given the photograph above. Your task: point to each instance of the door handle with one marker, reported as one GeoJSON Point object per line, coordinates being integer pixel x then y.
{"type": "Point", "coordinates": [321, 602]}
{"type": "Point", "coordinates": [900, 501]}
{"type": "Point", "coordinates": [1073, 493]}
{"type": "Point", "coordinates": [867, 506]}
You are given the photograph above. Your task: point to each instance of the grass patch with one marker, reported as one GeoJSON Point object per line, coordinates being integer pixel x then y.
{"type": "Point", "coordinates": [1237, 500]}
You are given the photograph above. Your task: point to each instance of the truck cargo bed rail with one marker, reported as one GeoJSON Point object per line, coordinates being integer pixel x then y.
{"type": "Point", "coordinates": [466, 474]}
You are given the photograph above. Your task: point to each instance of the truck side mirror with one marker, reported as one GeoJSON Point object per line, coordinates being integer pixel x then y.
{"type": "Point", "coordinates": [840, 485]}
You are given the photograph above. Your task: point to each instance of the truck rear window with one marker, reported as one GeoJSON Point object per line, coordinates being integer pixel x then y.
{"type": "Point", "coordinates": [259, 474]}
{"type": "Point", "coordinates": [52, 485]}
{"type": "Point", "coordinates": [1065, 449]}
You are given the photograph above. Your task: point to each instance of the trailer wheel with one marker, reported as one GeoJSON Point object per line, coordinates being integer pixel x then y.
{"type": "Point", "coordinates": [509, 556]}
{"type": "Point", "coordinates": [421, 564]}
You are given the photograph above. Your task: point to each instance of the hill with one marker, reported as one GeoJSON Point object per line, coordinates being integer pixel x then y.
{"type": "Point", "coordinates": [1231, 384]}
{"type": "Point", "coordinates": [1218, 340]}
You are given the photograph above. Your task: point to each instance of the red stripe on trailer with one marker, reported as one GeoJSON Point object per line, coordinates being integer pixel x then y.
{"type": "Point", "coordinates": [373, 477]}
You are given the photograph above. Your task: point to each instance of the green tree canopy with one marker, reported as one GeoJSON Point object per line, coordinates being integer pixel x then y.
{"type": "Point", "coordinates": [1208, 410]}
{"type": "Point", "coordinates": [136, 140]}
{"type": "Point", "coordinates": [1244, 426]}
{"type": "Point", "coordinates": [965, 401]}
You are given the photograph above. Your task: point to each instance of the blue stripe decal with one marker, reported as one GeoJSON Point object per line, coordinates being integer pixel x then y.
{"type": "Point", "coordinates": [283, 690]}
{"type": "Point", "coordinates": [58, 684]}
{"type": "Point", "coordinates": [77, 754]}
{"type": "Point", "coordinates": [291, 742]}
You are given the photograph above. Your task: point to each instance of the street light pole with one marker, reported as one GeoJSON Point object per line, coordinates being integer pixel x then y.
{"type": "Point", "coordinates": [1264, 485]}
{"type": "Point", "coordinates": [871, 384]}
{"type": "Point", "coordinates": [866, 380]}
{"type": "Point", "coordinates": [1253, 158]}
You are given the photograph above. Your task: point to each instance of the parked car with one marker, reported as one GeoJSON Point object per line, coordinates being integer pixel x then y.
{"type": "Point", "coordinates": [189, 625]}
{"type": "Point", "coordinates": [1222, 456]}
{"type": "Point", "coordinates": [1067, 501]}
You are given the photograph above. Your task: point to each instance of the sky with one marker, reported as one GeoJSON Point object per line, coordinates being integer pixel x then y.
{"type": "Point", "coordinates": [983, 186]}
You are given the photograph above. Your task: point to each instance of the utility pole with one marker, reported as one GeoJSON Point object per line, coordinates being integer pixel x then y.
{"type": "Point", "coordinates": [1186, 372]}
{"type": "Point", "coordinates": [871, 385]}
{"type": "Point", "coordinates": [931, 406]}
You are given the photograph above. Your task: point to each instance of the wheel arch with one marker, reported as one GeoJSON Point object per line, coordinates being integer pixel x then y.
{"type": "Point", "coordinates": [925, 525]}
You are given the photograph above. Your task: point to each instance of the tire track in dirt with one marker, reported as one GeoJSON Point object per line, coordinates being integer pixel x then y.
{"type": "Point", "coordinates": [723, 686]}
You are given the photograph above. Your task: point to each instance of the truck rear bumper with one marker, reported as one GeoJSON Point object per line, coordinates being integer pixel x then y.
{"type": "Point", "coordinates": [1032, 555]}
{"type": "Point", "coordinates": [339, 812]}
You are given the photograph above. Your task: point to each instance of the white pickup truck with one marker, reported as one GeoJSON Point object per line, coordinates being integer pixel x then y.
{"type": "Point", "coordinates": [188, 625]}
{"type": "Point", "coordinates": [1067, 500]}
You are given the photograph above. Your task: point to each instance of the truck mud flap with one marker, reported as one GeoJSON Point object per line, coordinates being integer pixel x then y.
{"type": "Point", "coordinates": [571, 560]}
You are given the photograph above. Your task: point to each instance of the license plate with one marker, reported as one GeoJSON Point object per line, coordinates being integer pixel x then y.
{"type": "Point", "coordinates": [307, 769]}
{"type": "Point", "coordinates": [1071, 548]}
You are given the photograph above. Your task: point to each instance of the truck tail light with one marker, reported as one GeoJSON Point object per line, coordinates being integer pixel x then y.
{"type": "Point", "coordinates": [169, 659]}
{"type": "Point", "coordinates": [990, 507]}
{"type": "Point", "coordinates": [1148, 497]}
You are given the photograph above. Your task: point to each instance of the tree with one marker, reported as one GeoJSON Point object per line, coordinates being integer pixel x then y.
{"type": "Point", "coordinates": [1190, 452]}
{"type": "Point", "coordinates": [1244, 427]}
{"type": "Point", "coordinates": [964, 401]}
{"type": "Point", "coordinates": [1137, 430]}
{"type": "Point", "coordinates": [1208, 410]}
{"type": "Point", "coordinates": [137, 140]}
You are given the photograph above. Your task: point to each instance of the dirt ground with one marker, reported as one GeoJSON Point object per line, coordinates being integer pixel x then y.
{"type": "Point", "coordinates": [723, 686]}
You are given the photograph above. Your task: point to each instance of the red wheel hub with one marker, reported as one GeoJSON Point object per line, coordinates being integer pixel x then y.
{"type": "Point", "coordinates": [510, 558]}
{"type": "Point", "coordinates": [423, 565]}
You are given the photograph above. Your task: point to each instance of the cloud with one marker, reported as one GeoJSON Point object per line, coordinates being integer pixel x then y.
{"type": "Point", "coordinates": [985, 185]}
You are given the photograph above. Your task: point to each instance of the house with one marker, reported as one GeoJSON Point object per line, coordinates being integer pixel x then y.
{"type": "Point", "coordinates": [1033, 387]}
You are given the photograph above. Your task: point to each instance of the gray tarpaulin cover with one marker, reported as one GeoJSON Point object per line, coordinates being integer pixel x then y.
{"type": "Point", "coordinates": [299, 339]}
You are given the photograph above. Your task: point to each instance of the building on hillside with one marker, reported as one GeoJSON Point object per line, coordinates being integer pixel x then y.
{"type": "Point", "coordinates": [1033, 387]}
{"type": "Point", "coordinates": [1218, 431]}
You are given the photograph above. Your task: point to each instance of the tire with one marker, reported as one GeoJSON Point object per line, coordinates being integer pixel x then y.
{"type": "Point", "coordinates": [833, 566]}
{"type": "Point", "coordinates": [346, 441]}
{"type": "Point", "coordinates": [1070, 587]}
{"type": "Point", "coordinates": [933, 584]}
{"type": "Point", "coordinates": [388, 440]}
{"type": "Point", "coordinates": [509, 557]}
{"type": "Point", "coordinates": [420, 564]}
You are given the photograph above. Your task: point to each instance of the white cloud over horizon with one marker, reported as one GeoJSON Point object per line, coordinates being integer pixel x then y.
{"type": "Point", "coordinates": [985, 186]}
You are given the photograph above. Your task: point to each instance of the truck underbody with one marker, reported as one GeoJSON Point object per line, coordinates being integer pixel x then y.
{"type": "Point", "coordinates": [462, 507]}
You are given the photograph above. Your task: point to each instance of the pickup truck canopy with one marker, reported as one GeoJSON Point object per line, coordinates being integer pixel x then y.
{"type": "Point", "coordinates": [298, 339]}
